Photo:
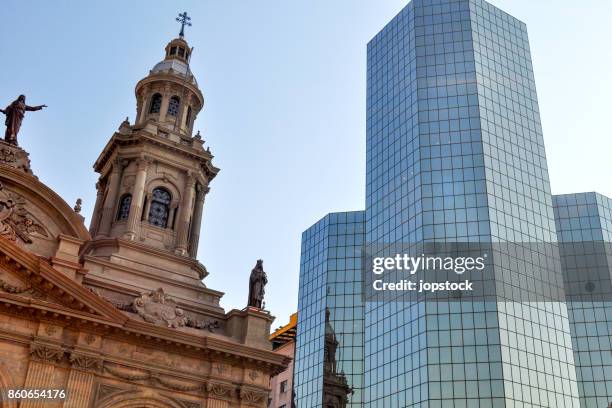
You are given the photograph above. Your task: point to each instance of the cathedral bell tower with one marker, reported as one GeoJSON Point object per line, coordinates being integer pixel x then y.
{"type": "Point", "coordinates": [154, 176]}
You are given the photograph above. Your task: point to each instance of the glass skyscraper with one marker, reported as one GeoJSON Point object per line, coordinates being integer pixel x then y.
{"type": "Point", "coordinates": [455, 153]}
{"type": "Point", "coordinates": [329, 348]}
{"type": "Point", "coordinates": [584, 227]}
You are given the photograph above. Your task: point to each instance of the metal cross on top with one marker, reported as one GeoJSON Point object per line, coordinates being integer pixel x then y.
{"type": "Point", "coordinates": [184, 19]}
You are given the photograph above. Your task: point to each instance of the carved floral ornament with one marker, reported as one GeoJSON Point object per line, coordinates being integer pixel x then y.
{"type": "Point", "coordinates": [45, 353]}
{"type": "Point", "coordinates": [158, 308]}
{"type": "Point", "coordinates": [15, 220]}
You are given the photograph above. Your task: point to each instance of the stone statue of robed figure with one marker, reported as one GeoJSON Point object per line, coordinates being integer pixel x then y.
{"type": "Point", "coordinates": [257, 283]}
{"type": "Point", "coordinates": [14, 116]}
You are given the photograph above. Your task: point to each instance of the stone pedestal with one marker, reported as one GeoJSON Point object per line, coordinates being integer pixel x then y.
{"type": "Point", "coordinates": [251, 326]}
{"type": "Point", "coordinates": [15, 157]}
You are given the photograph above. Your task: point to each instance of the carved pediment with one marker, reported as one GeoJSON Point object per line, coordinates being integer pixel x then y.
{"type": "Point", "coordinates": [158, 308]}
{"type": "Point", "coordinates": [25, 275]}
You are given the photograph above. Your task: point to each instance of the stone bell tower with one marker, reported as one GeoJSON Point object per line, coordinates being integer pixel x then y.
{"type": "Point", "coordinates": [154, 176]}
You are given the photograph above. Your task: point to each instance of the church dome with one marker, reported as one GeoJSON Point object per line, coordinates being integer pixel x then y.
{"type": "Point", "coordinates": [169, 66]}
{"type": "Point", "coordinates": [169, 95]}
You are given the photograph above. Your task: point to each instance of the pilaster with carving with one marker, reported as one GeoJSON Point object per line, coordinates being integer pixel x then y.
{"type": "Point", "coordinates": [43, 358]}
{"type": "Point", "coordinates": [81, 379]}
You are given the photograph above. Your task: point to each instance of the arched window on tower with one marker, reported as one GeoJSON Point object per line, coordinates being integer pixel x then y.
{"type": "Point", "coordinates": [156, 101]}
{"type": "Point", "coordinates": [173, 106]}
{"type": "Point", "coordinates": [160, 207]}
{"type": "Point", "coordinates": [124, 207]}
{"type": "Point", "coordinates": [188, 119]}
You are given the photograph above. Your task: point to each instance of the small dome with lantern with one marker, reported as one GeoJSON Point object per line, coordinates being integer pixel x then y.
{"type": "Point", "coordinates": [170, 95]}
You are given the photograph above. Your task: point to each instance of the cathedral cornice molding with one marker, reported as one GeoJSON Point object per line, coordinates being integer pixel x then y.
{"type": "Point", "coordinates": [118, 242]}
{"type": "Point", "coordinates": [141, 136]}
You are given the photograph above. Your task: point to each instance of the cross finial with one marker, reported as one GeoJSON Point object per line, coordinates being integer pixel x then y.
{"type": "Point", "coordinates": [184, 19]}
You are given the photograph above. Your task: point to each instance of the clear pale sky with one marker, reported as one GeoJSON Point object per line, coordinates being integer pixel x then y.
{"type": "Point", "coordinates": [284, 83]}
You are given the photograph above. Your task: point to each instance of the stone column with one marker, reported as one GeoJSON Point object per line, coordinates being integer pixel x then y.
{"type": "Point", "coordinates": [196, 221]}
{"type": "Point", "coordinates": [137, 199]}
{"type": "Point", "coordinates": [173, 206]}
{"type": "Point", "coordinates": [95, 217]}
{"type": "Point", "coordinates": [40, 370]}
{"type": "Point", "coordinates": [108, 211]}
{"type": "Point", "coordinates": [145, 213]}
{"type": "Point", "coordinates": [145, 101]}
{"type": "Point", "coordinates": [166, 95]}
{"type": "Point", "coordinates": [182, 122]}
{"type": "Point", "coordinates": [184, 215]}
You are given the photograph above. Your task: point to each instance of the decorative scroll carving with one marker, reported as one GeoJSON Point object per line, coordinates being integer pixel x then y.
{"type": "Point", "coordinates": [85, 362]}
{"type": "Point", "coordinates": [15, 157]}
{"type": "Point", "coordinates": [125, 306]}
{"type": "Point", "coordinates": [252, 396]}
{"type": "Point", "coordinates": [7, 156]}
{"type": "Point", "coordinates": [158, 308]}
{"type": "Point", "coordinates": [210, 325]}
{"type": "Point", "coordinates": [220, 390]}
{"type": "Point", "coordinates": [15, 220]}
{"type": "Point", "coordinates": [45, 353]}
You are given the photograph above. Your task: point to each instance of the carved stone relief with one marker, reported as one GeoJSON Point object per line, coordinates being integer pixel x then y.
{"type": "Point", "coordinates": [158, 308]}
{"type": "Point", "coordinates": [15, 220]}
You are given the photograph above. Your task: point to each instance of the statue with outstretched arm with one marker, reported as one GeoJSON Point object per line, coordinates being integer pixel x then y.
{"type": "Point", "coordinates": [14, 116]}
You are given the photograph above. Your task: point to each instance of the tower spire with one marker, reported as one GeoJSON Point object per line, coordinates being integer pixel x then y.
{"type": "Point", "coordinates": [184, 19]}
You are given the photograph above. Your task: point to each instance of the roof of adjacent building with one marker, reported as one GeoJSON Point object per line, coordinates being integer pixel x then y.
{"type": "Point", "coordinates": [285, 334]}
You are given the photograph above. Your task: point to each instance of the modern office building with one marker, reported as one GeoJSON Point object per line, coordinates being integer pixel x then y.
{"type": "Point", "coordinates": [584, 228]}
{"type": "Point", "coordinates": [329, 353]}
{"type": "Point", "coordinates": [455, 153]}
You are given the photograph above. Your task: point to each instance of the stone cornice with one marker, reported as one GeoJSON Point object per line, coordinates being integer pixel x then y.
{"type": "Point", "coordinates": [141, 136]}
{"type": "Point", "coordinates": [118, 242]}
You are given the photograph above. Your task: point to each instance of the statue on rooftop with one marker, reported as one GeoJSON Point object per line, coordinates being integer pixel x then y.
{"type": "Point", "coordinates": [14, 116]}
{"type": "Point", "coordinates": [257, 283]}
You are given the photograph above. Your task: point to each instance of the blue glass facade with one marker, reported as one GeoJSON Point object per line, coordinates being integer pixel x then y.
{"type": "Point", "coordinates": [329, 349]}
{"type": "Point", "coordinates": [587, 218]}
{"type": "Point", "coordinates": [455, 153]}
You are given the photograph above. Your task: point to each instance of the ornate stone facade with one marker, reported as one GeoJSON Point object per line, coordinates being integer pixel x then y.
{"type": "Point", "coordinates": [117, 315]}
